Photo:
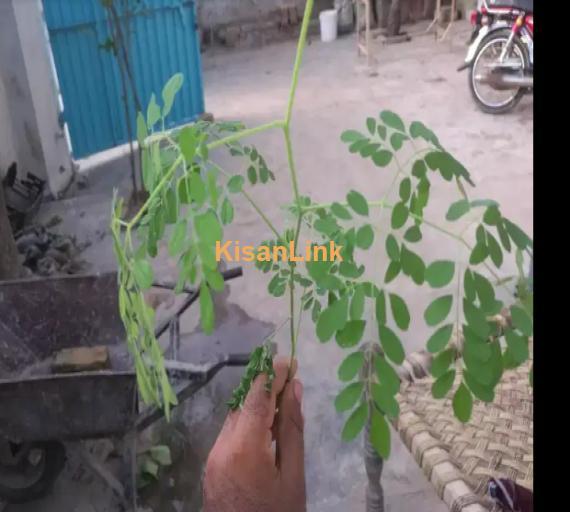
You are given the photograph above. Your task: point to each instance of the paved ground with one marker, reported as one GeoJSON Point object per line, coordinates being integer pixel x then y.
{"type": "Point", "coordinates": [418, 80]}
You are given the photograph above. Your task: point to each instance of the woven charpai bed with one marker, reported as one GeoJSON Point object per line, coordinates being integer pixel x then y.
{"type": "Point", "coordinates": [460, 459]}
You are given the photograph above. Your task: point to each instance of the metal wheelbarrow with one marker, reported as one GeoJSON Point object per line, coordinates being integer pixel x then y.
{"type": "Point", "coordinates": [39, 409]}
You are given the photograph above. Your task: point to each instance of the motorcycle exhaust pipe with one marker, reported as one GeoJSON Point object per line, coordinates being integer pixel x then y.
{"type": "Point", "coordinates": [505, 82]}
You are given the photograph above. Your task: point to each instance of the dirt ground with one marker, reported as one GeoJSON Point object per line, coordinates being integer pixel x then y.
{"type": "Point", "coordinates": [418, 80]}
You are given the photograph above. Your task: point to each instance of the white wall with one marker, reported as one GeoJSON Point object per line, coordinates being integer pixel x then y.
{"type": "Point", "coordinates": [7, 151]}
{"type": "Point", "coordinates": [30, 92]}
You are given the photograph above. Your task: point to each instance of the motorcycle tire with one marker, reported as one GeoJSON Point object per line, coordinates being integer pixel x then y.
{"type": "Point", "coordinates": [54, 457]}
{"type": "Point", "coordinates": [503, 109]}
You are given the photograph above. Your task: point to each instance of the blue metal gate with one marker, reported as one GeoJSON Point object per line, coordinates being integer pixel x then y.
{"type": "Point", "coordinates": [164, 41]}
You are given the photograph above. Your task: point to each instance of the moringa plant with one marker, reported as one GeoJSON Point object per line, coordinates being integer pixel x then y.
{"type": "Point", "coordinates": [191, 193]}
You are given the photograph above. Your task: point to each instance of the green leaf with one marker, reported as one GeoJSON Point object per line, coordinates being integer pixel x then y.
{"type": "Point", "coordinates": [485, 292]}
{"type": "Point", "coordinates": [386, 375]}
{"type": "Point", "coordinates": [161, 454]}
{"type": "Point", "coordinates": [197, 188]}
{"type": "Point", "coordinates": [469, 286]}
{"type": "Point", "coordinates": [150, 467]}
{"type": "Point", "coordinates": [476, 320]}
{"type": "Point", "coordinates": [235, 184]}
{"type": "Point", "coordinates": [419, 169]}
{"type": "Point", "coordinates": [405, 189]}
{"type": "Point", "coordinates": [170, 206]}
{"type": "Point", "coordinates": [252, 175]}
{"type": "Point", "coordinates": [206, 309]}
{"type": "Point", "coordinates": [349, 397]}
{"type": "Point", "coordinates": [142, 132]}
{"type": "Point", "coordinates": [479, 254]}
{"type": "Point", "coordinates": [391, 344]}
{"type": "Point", "coordinates": [458, 210]}
{"type": "Point", "coordinates": [385, 400]}
{"type": "Point", "coordinates": [442, 362]}
{"type": "Point", "coordinates": [439, 339]}
{"type": "Point", "coordinates": [369, 149]}
{"type": "Point", "coordinates": [463, 404]}
{"type": "Point", "coordinates": [357, 202]}
{"type": "Point", "coordinates": [326, 225]}
{"type": "Point", "coordinates": [400, 215]}
{"type": "Point", "coordinates": [332, 319]}
{"type": "Point", "coordinates": [517, 235]}
{"type": "Point", "coordinates": [350, 270]}
{"type": "Point", "coordinates": [357, 304]}
{"type": "Point", "coordinates": [412, 265]}
{"type": "Point", "coordinates": [392, 248]}
{"type": "Point", "coordinates": [382, 132]}
{"type": "Point", "coordinates": [504, 237]}
{"type": "Point", "coordinates": [483, 202]}
{"type": "Point", "coordinates": [495, 250]}
{"type": "Point", "coordinates": [365, 237]}
{"type": "Point", "coordinates": [264, 174]}
{"type": "Point", "coordinates": [355, 423]}
{"type": "Point", "coordinates": [227, 212]}
{"type": "Point", "coordinates": [392, 272]}
{"type": "Point", "coordinates": [482, 392]}
{"type": "Point", "coordinates": [492, 216]}
{"type": "Point", "coordinates": [380, 434]}
{"type": "Point", "coordinates": [518, 346]}
{"type": "Point", "coordinates": [419, 130]}
{"type": "Point", "coordinates": [350, 367]}
{"type": "Point", "coordinates": [350, 136]}
{"type": "Point", "coordinates": [447, 166]}
{"type": "Point", "coordinates": [392, 120]}
{"type": "Point", "coordinates": [400, 312]}
{"type": "Point", "coordinates": [397, 140]}
{"type": "Point", "coordinates": [215, 279]}
{"type": "Point", "coordinates": [358, 146]}
{"type": "Point", "coordinates": [188, 142]}
{"type": "Point", "coordinates": [169, 92]}
{"type": "Point", "coordinates": [351, 334]}
{"type": "Point", "coordinates": [443, 385]}
{"type": "Point", "coordinates": [521, 320]}
{"type": "Point", "coordinates": [380, 309]}
{"type": "Point", "coordinates": [371, 125]}
{"type": "Point", "coordinates": [382, 158]}
{"type": "Point", "coordinates": [143, 274]}
{"type": "Point", "coordinates": [208, 227]}
{"type": "Point", "coordinates": [438, 310]}
{"type": "Point", "coordinates": [176, 243]}
{"type": "Point", "coordinates": [152, 113]}
{"type": "Point", "coordinates": [440, 273]}
{"type": "Point", "coordinates": [340, 211]}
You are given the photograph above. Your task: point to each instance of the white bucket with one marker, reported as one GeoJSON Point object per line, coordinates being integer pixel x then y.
{"type": "Point", "coordinates": [329, 25]}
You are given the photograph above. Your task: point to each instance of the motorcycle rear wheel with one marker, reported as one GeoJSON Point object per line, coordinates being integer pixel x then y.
{"type": "Point", "coordinates": [493, 44]}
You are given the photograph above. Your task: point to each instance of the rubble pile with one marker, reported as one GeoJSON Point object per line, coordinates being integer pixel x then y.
{"type": "Point", "coordinates": [46, 253]}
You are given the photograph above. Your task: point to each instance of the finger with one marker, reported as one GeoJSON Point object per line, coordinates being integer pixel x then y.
{"type": "Point", "coordinates": [229, 424]}
{"type": "Point", "coordinates": [290, 438]}
{"type": "Point", "coordinates": [258, 411]}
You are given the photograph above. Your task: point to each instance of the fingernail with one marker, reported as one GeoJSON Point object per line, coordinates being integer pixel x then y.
{"type": "Point", "coordinates": [298, 391]}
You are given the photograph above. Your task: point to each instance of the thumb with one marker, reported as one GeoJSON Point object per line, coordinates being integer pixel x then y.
{"type": "Point", "coordinates": [290, 441]}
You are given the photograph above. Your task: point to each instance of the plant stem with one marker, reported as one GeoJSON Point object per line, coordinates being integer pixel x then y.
{"type": "Point", "coordinates": [298, 60]}
{"type": "Point", "coordinates": [216, 144]}
{"type": "Point", "coordinates": [293, 172]}
{"type": "Point", "coordinates": [253, 204]}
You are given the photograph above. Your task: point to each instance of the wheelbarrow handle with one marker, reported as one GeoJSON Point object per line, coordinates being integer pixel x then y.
{"type": "Point", "coordinates": [200, 376]}
{"type": "Point", "coordinates": [193, 295]}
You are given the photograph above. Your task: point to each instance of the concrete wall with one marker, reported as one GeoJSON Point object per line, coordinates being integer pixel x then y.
{"type": "Point", "coordinates": [212, 13]}
{"type": "Point", "coordinates": [29, 97]}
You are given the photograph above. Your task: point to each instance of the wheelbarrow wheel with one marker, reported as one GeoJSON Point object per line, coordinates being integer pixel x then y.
{"type": "Point", "coordinates": [28, 471]}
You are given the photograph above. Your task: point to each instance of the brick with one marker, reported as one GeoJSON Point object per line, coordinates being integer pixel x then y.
{"type": "Point", "coordinates": [81, 359]}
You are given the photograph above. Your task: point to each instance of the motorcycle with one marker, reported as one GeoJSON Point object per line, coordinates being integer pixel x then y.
{"type": "Point", "coordinates": [500, 56]}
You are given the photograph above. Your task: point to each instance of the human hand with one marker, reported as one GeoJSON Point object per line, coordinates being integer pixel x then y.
{"type": "Point", "coordinates": [243, 472]}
